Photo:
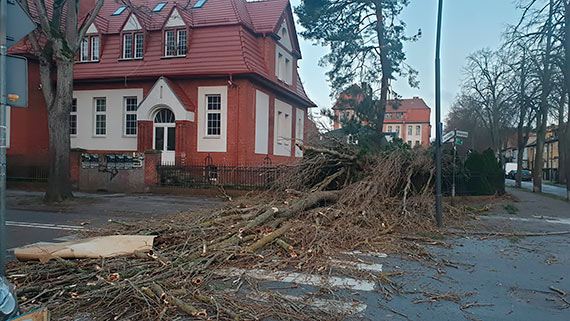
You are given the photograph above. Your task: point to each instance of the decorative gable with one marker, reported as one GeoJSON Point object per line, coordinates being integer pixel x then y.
{"type": "Point", "coordinates": [175, 20]}
{"type": "Point", "coordinates": [132, 24]}
{"type": "Point", "coordinates": [285, 35]}
{"type": "Point", "coordinates": [92, 29]}
{"type": "Point", "coordinates": [162, 95]}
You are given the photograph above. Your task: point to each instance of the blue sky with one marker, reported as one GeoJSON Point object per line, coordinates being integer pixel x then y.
{"type": "Point", "coordinates": [468, 25]}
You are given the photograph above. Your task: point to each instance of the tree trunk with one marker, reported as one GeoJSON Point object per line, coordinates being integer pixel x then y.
{"type": "Point", "coordinates": [521, 139]}
{"type": "Point", "coordinates": [59, 183]}
{"type": "Point", "coordinates": [386, 68]}
{"type": "Point", "coordinates": [562, 143]}
{"type": "Point", "coordinates": [521, 143]}
{"type": "Point", "coordinates": [541, 119]}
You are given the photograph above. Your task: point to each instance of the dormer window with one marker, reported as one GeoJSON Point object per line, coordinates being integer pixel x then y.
{"type": "Point", "coordinates": [89, 49]}
{"type": "Point", "coordinates": [133, 45]}
{"type": "Point", "coordinates": [175, 43]}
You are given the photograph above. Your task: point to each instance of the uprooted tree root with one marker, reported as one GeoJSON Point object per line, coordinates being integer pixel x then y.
{"type": "Point", "coordinates": [187, 272]}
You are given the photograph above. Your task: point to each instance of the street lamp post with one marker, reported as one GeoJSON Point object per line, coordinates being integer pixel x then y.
{"type": "Point", "coordinates": [438, 205]}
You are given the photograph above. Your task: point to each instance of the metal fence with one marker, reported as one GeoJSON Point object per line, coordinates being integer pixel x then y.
{"type": "Point", "coordinates": [199, 176]}
{"type": "Point", "coordinates": [27, 173]}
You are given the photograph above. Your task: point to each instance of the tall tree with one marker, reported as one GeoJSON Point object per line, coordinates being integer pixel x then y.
{"type": "Point", "coordinates": [525, 87]}
{"type": "Point", "coordinates": [537, 26]}
{"type": "Point", "coordinates": [564, 113]}
{"type": "Point", "coordinates": [55, 42]}
{"type": "Point", "coordinates": [486, 82]}
{"type": "Point", "coordinates": [365, 38]}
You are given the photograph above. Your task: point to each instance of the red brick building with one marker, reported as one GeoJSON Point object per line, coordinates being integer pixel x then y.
{"type": "Point", "coordinates": [408, 119]}
{"type": "Point", "coordinates": [192, 79]}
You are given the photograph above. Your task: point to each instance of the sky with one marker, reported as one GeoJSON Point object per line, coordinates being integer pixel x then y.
{"type": "Point", "coordinates": [467, 26]}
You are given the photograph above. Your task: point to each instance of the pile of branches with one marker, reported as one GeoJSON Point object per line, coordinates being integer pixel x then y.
{"type": "Point", "coordinates": [334, 201]}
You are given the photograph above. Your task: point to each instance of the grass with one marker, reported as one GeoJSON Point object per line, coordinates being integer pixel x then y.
{"type": "Point", "coordinates": [433, 236]}
{"type": "Point", "coordinates": [511, 209]}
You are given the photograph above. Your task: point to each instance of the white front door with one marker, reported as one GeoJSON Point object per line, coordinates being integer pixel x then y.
{"type": "Point", "coordinates": [165, 135]}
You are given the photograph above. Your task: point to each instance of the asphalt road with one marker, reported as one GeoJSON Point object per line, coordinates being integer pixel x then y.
{"type": "Point", "coordinates": [546, 188]}
{"type": "Point", "coordinates": [29, 221]}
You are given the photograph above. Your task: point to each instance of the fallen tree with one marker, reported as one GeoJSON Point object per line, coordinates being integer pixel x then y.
{"type": "Point", "coordinates": [332, 201]}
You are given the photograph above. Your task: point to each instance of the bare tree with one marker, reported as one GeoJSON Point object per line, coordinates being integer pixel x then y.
{"type": "Point", "coordinates": [55, 42]}
{"type": "Point", "coordinates": [486, 83]}
{"type": "Point", "coordinates": [525, 87]}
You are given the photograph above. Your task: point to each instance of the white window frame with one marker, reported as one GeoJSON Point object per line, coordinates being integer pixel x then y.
{"type": "Point", "coordinates": [282, 132]}
{"type": "Point", "coordinates": [390, 129]}
{"type": "Point", "coordinates": [73, 114]}
{"type": "Point", "coordinates": [176, 35]}
{"type": "Point", "coordinates": [95, 48]}
{"type": "Point", "coordinates": [212, 143]}
{"type": "Point", "coordinates": [418, 130]}
{"type": "Point", "coordinates": [138, 46]}
{"type": "Point", "coordinates": [130, 43]}
{"type": "Point", "coordinates": [84, 50]}
{"type": "Point", "coordinates": [283, 65]}
{"type": "Point", "coordinates": [299, 131]}
{"type": "Point", "coordinates": [410, 130]}
{"type": "Point", "coordinates": [181, 49]}
{"type": "Point", "coordinates": [99, 113]}
{"type": "Point", "coordinates": [128, 113]}
{"type": "Point", "coordinates": [217, 112]}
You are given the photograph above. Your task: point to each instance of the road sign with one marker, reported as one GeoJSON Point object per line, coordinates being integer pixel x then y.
{"type": "Point", "coordinates": [462, 134]}
{"type": "Point", "coordinates": [17, 84]}
{"type": "Point", "coordinates": [459, 142]}
{"type": "Point", "coordinates": [447, 137]}
{"type": "Point", "coordinates": [19, 23]}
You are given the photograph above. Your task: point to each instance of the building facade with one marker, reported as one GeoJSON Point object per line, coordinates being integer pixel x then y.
{"type": "Point", "coordinates": [407, 119]}
{"type": "Point", "coordinates": [207, 78]}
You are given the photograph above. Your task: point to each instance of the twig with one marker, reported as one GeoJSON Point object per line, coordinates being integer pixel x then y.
{"type": "Point", "coordinates": [562, 293]}
{"type": "Point", "coordinates": [475, 304]}
{"type": "Point", "coordinates": [385, 307]}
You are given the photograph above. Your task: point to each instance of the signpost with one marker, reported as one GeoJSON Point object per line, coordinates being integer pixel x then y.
{"type": "Point", "coordinates": [15, 24]}
{"type": "Point", "coordinates": [456, 141]}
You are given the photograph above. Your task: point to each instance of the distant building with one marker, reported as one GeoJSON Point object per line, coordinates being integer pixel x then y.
{"type": "Point", "coordinates": [550, 156]}
{"type": "Point", "coordinates": [407, 119]}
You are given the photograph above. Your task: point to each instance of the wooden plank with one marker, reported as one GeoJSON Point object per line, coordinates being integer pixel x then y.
{"type": "Point", "coordinates": [37, 315]}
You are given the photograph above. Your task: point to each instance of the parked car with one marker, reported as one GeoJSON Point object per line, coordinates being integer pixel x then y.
{"type": "Point", "coordinates": [526, 175]}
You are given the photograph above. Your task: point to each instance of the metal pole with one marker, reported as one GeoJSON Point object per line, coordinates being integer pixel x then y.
{"type": "Point", "coordinates": [454, 155]}
{"type": "Point", "coordinates": [3, 101]}
{"type": "Point", "coordinates": [438, 217]}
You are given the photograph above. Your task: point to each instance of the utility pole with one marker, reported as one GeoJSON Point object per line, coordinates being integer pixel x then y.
{"type": "Point", "coordinates": [3, 102]}
{"type": "Point", "coordinates": [454, 155]}
{"type": "Point", "coordinates": [438, 206]}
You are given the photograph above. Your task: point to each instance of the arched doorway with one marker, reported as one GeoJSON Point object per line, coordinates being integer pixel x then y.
{"type": "Point", "coordinates": [165, 134]}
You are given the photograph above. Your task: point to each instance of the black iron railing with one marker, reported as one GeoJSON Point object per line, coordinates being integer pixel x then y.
{"type": "Point", "coordinates": [198, 176]}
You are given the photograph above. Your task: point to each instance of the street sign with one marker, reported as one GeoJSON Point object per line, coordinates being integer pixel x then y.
{"type": "Point", "coordinates": [459, 142]}
{"type": "Point", "coordinates": [462, 134]}
{"type": "Point", "coordinates": [17, 84]}
{"type": "Point", "coordinates": [447, 137]}
{"type": "Point", "coordinates": [19, 23]}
